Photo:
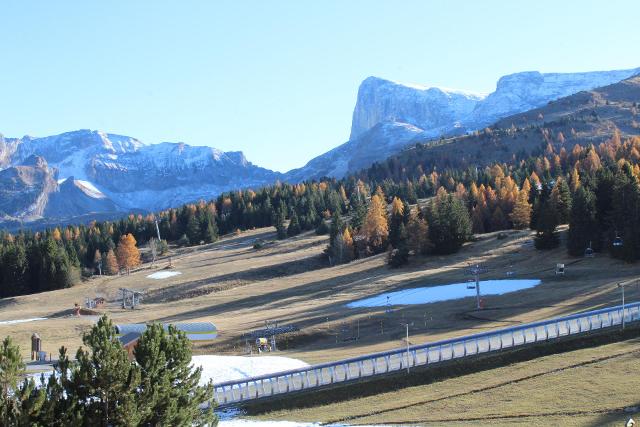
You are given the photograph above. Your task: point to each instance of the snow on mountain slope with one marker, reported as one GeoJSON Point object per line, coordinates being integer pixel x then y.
{"type": "Point", "coordinates": [133, 175]}
{"type": "Point", "coordinates": [431, 112]}
{"type": "Point", "coordinates": [516, 93]}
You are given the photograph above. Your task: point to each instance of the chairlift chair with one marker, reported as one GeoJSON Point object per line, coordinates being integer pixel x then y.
{"type": "Point", "coordinates": [617, 242]}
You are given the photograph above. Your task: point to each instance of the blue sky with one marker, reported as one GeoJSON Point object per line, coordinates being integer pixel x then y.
{"type": "Point", "coordinates": [277, 80]}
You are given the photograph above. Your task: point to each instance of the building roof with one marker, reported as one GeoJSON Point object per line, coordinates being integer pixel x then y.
{"type": "Point", "coordinates": [129, 338]}
{"type": "Point", "coordinates": [195, 331]}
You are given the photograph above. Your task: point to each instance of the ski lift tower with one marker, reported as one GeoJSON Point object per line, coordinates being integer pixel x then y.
{"type": "Point", "coordinates": [476, 271]}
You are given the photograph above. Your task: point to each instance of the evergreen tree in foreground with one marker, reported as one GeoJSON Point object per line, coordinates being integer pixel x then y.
{"type": "Point", "coordinates": [104, 388]}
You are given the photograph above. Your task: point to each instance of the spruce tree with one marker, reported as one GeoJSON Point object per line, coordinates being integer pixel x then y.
{"type": "Point", "coordinates": [396, 220]}
{"type": "Point", "coordinates": [193, 231]}
{"type": "Point", "coordinates": [279, 217]}
{"type": "Point", "coordinates": [400, 254]}
{"type": "Point", "coordinates": [449, 223]}
{"type": "Point", "coordinates": [561, 199]}
{"type": "Point", "coordinates": [583, 224]}
{"type": "Point", "coordinates": [294, 225]}
{"type": "Point", "coordinates": [624, 215]}
{"type": "Point", "coordinates": [546, 234]}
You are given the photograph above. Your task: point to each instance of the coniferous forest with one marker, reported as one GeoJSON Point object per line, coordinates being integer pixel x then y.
{"type": "Point", "coordinates": [592, 188]}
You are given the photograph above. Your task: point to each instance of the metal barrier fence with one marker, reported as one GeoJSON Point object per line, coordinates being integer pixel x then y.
{"type": "Point", "coordinates": [378, 364]}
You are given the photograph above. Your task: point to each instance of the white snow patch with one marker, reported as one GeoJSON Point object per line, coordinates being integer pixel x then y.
{"type": "Point", "coordinates": [88, 185]}
{"type": "Point", "coordinates": [163, 275]}
{"type": "Point", "coordinates": [220, 369]}
{"type": "Point", "coordinates": [11, 322]}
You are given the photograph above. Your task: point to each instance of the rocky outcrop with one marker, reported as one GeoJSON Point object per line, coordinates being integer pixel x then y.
{"type": "Point", "coordinates": [421, 113]}
{"type": "Point", "coordinates": [25, 189]}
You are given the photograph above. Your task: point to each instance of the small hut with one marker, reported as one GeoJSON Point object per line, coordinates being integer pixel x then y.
{"type": "Point", "coordinates": [129, 342]}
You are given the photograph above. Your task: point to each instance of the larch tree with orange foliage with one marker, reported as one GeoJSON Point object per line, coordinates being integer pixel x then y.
{"type": "Point", "coordinates": [375, 227]}
{"type": "Point", "coordinates": [127, 253]}
{"type": "Point", "coordinates": [521, 214]}
{"type": "Point", "coordinates": [110, 263]}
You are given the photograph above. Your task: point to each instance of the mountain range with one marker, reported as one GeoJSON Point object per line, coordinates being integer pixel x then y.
{"type": "Point", "coordinates": [88, 173]}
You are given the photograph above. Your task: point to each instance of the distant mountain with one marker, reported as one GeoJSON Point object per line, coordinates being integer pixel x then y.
{"type": "Point", "coordinates": [30, 192]}
{"type": "Point", "coordinates": [101, 172]}
{"type": "Point", "coordinates": [416, 113]}
{"type": "Point", "coordinates": [585, 118]}
{"type": "Point", "coordinates": [87, 174]}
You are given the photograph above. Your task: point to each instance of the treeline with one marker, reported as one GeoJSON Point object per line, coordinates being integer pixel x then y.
{"type": "Point", "coordinates": [594, 189]}
{"type": "Point", "coordinates": [102, 387]}
{"type": "Point", "coordinates": [556, 184]}
{"type": "Point", "coordinates": [56, 258]}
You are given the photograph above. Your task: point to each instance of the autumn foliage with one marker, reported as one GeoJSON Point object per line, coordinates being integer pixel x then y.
{"type": "Point", "coordinates": [127, 253]}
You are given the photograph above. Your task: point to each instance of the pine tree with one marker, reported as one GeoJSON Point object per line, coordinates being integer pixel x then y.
{"type": "Point", "coordinates": [127, 253]}
{"type": "Point", "coordinates": [104, 382]}
{"type": "Point", "coordinates": [11, 369]}
{"type": "Point", "coordinates": [169, 393]}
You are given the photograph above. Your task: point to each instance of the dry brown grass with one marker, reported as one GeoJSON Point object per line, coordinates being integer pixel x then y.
{"type": "Point", "coordinates": [238, 288]}
{"type": "Point", "coordinates": [582, 387]}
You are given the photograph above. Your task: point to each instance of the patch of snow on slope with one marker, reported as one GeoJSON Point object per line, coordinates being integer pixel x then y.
{"type": "Point", "coordinates": [163, 275]}
{"type": "Point", "coordinates": [220, 369]}
{"type": "Point", "coordinates": [90, 189]}
{"type": "Point", "coordinates": [12, 322]}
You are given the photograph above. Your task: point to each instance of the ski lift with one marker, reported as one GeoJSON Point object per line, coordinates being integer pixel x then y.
{"type": "Point", "coordinates": [617, 242]}
{"type": "Point", "coordinates": [471, 284]}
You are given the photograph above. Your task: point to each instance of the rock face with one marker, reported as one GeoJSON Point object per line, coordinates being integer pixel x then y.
{"type": "Point", "coordinates": [426, 108]}
{"type": "Point", "coordinates": [25, 189]}
{"type": "Point", "coordinates": [101, 172]}
{"type": "Point", "coordinates": [428, 113]}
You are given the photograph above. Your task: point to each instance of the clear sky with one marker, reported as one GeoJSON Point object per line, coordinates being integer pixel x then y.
{"type": "Point", "coordinates": [276, 79]}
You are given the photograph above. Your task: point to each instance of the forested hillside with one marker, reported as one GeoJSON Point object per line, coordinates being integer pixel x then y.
{"type": "Point", "coordinates": [575, 161]}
